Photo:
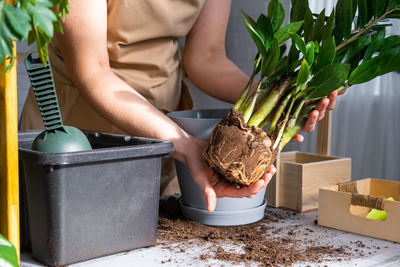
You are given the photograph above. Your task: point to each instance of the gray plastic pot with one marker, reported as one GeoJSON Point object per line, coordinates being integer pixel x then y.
{"type": "Point", "coordinates": [229, 211]}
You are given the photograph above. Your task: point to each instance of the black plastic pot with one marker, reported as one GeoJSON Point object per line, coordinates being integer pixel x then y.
{"type": "Point", "coordinates": [87, 204]}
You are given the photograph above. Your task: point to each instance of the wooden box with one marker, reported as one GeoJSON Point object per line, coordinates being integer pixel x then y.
{"type": "Point", "coordinates": [345, 207]}
{"type": "Point", "coordinates": [299, 177]}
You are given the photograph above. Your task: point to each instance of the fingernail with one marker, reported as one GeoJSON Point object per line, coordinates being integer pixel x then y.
{"type": "Point", "coordinates": [262, 182]}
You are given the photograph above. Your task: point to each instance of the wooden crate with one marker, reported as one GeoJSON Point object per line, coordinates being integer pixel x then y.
{"type": "Point", "coordinates": [345, 207]}
{"type": "Point", "coordinates": [299, 177]}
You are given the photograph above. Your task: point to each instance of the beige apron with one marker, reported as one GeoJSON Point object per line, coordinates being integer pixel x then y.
{"type": "Point", "coordinates": [142, 43]}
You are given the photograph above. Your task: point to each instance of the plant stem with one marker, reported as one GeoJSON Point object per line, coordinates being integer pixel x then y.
{"type": "Point", "coordinates": [291, 131]}
{"type": "Point", "coordinates": [283, 126]}
{"type": "Point", "coordinates": [369, 25]}
{"type": "Point", "coordinates": [269, 103]}
{"type": "Point", "coordinates": [296, 113]}
{"type": "Point", "coordinates": [245, 93]}
{"type": "Point", "coordinates": [278, 112]}
{"type": "Point", "coordinates": [249, 110]}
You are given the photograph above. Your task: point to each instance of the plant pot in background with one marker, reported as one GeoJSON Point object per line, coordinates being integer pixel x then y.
{"type": "Point", "coordinates": [229, 211]}
{"type": "Point", "coordinates": [87, 204]}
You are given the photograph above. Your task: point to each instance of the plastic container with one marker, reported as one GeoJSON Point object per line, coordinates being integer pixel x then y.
{"type": "Point", "coordinates": [87, 204]}
{"type": "Point", "coordinates": [229, 211]}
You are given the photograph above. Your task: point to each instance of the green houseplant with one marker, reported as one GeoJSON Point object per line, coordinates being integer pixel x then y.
{"type": "Point", "coordinates": [327, 53]}
{"type": "Point", "coordinates": [8, 254]}
{"type": "Point", "coordinates": [32, 20]}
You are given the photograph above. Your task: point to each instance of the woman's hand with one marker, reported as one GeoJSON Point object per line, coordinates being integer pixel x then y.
{"type": "Point", "coordinates": [209, 182]}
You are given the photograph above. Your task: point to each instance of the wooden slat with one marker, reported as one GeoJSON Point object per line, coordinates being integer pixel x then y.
{"type": "Point", "coordinates": [273, 187]}
{"type": "Point", "coordinates": [324, 134]}
{"type": "Point", "coordinates": [9, 183]}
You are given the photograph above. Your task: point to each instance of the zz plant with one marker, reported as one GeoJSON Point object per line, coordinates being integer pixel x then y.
{"type": "Point", "coordinates": [327, 53]}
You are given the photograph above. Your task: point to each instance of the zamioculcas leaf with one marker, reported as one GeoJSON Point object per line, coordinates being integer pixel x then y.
{"type": "Point", "coordinates": [392, 4]}
{"type": "Point", "coordinates": [304, 73]}
{"type": "Point", "coordinates": [370, 9]}
{"type": "Point", "coordinates": [310, 52]}
{"type": "Point", "coordinates": [284, 32]}
{"type": "Point", "coordinates": [276, 13]}
{"type": "Point", "coordinates": [293, 58]}
{"type": "Point", "coordinates": [327, 80]}
{"type": "Point", "coordinates": [362, 13]}
{"type": "Point", "coordinates": [356, 47]}
{"type": "Point", "coordinates": [265, 30]}
{"type": "Point", "coordinates": [256, 38]}
{"type": "Point", "coordinates": [385, 62]}
{"type": "Point", "coordinates": [308, 25]}
{"type": "Point", "coordinates": [298, 10]}
{"type": "Point", "coordinates": [8, 254]}
{"type": "Point", "coordinates": [319, 26]}
{"type": "Point", "coordinates": [329, 26]}
{"type": "Point", "coordinates": [380, 6]}
{"type": "Point", "coordinates": [301, 45]}
{"type": "Point", "coordinates": [344, 19]}
{"type": "Point", "coordinates": [377, 42]}
{"type": "Point", "coordinates": [250, 20]}
{"type": "Point", "coordinates": [269, 64]}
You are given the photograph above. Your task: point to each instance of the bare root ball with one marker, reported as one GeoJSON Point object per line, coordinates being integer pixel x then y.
{"type": "Point", "coordinates": [238, 152]}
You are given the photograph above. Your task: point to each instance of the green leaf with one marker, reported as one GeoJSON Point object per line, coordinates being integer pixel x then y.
{"type": "Point", "coordinates": [319, 27]}
{"type": "Point", "coordinates": [304, 73]}
{"type": "Point", "coordinates": [327, 80]}
{"type": "Point", "coordinates": [343, 19]}
{"type": "Point", "coordinates": [316, 47]}
{"type": "Point", "coordinates": [392, 4]}
{"type": "Point", "coordinates": [308, 25]}
{"type": "Point", "coordinates": [276, 12]}
{"type": "Point", "coordinates": [394, 15]}
{"type": "Point", "coordinates": [385, 62]}
{"type": "Point", "coordinates": [265, 30]}
{"type": "Point", "coordinates": [301, 45]}
{"type": "Point", "coordinates": [361, 43]}
{"type": "Point", "coordinates": [310, 52]}
{"type": "Point", "coordinates": [293, 58]}
{"type": "Point", "coordinates": [362, 13]}
{"type": "Point", "coordinates": [63, 8]}
{"type": "Point", "coordinates": [14, 25]}
{"type": "Point", "coordinates": [42, 15]}
{"type": "Point", "coordinates": [298, 10]}
{"type": "Point", "coordinates": [329, 26]}
{"type": "Point", "coordinates": [269, 64]}
{"type": "Point", "coordinates": [378, 42]}
{"type": "Point", "coordinates": [380, 6]}
{"type": "Point", "coordinates": [251, 21]}
{"type": "Point", "coordinates": [17, 22]}
{"type": "Point", "coordinates": [283, 33]}
{"type": "Point", "coordinates": [8, 253]}
{"type": "Point", "coordinates": [256, 38]}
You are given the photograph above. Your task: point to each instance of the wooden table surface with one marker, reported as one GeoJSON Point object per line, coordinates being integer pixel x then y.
{"type": "Point", "coordinates": [375, 252]}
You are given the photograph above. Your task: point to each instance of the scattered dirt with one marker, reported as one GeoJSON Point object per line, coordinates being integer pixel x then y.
{"type": "Point", "coordinates": [263, 242]}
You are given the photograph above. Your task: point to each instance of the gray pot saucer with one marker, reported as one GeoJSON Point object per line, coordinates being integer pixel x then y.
{"type": "Point", "coordinates": [224, 217]}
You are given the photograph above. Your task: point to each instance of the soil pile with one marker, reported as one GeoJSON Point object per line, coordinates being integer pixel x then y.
{"type": "Point", "coordinates": [262, 242]}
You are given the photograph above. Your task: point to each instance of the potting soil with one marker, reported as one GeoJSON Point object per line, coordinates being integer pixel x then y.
{"type": "Point", "coordinates": [263, 243]}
